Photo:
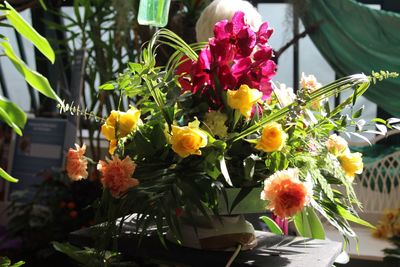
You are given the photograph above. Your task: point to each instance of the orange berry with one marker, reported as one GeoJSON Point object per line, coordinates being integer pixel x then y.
{"type": "Point", "coordinates": [73, 214]}
{"type": "Point", "coordinates": [71, 205]}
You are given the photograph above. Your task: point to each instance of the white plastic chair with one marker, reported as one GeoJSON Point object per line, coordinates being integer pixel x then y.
{"type": "Point", "coordinates": [378, 187]}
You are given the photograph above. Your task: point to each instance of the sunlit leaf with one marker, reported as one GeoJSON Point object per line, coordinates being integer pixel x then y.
{"type": "Point", "coordinates": [308, 224]}
{"type": "Point", "coordinates": [34, 79]}
{"type": "Point", "coordinates": [29, 33]}
{"type": "Point", "coordinates": [272, 226]}
{"type": "Point", "coordinates": [7, 177]}
{"type": "Point", "coordinates": [16, 114]}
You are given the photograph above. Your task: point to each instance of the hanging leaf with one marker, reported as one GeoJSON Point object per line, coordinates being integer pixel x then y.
{"type": "Point", "coordinates": [26, 30]}
{"type": "Point", "coordinates": [348, 216]}
{"type": "Point", "coordinates": [224, 171]}
{"type": "Point", "coordinates": [5, 116]}
{"type": "Point", "coordinates": [35, 79]}
{"type": "Point", "coordinates": [16, 114]}
{"type": "Point", "coordinates": [308, 224]}
{"type": "Point", "coordinates": [272, 226]}
{"type": "Point", "coordinates": [7, 177]}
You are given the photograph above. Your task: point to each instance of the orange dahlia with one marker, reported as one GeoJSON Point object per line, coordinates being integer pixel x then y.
{"type": "Point", "coordinates": [117, 175]}
{"type": "Point", "coordinates": [285, 193]}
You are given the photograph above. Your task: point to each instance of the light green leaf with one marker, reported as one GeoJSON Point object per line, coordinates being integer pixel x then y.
{"type": "Point", "coordinates": [15, 114]}
{"type": "Point", "coordinates": [4, 116]}
{"type": "Point", "coordinates": [348, 216]}
{"type": "Point", "coordinates": [272, 226]}
{"type": "Point", "coordinates": [28, 32]}
{"type": "Point", "coordinates": [7, 177]}
{"type": "Point", "coordinates": [106, 86]}
{"type": "Point", "coordinates": [308, 224]}
{"type": "Point", "coordinates": [35, 79]}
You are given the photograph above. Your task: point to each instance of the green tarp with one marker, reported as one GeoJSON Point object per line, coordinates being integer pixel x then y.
{"type": "Point", "coordinates": [355, 38]}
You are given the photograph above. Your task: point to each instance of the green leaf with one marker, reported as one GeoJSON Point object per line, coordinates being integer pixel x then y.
{"type": "Point", "coordinates": [249, 164]}
{"type": "Point", "coordinates": [379, 120]}
{"type": "Point", "coordinates": [224, 171]}
{"type": "Point", "coordinates": [29, 33]}
{"type": "Point", "coordinates": [348, 216]}
{"type": "Point", "coordinates": [16, 114]}
{"type": "Point", "coordinates": [308, 224]}
{"type": "Point", "coordinates": [358, 113]}
{"type": "Point", "coordinates": [107, 86]}
{"type": "Point", "coordinates": [35, 79]}
{"type": "Point", "coordinates": [7, 177]}
{"type": "Point", "coordinates": [4, 116]}
{"type": "Point", "coordinates": [272, 226]}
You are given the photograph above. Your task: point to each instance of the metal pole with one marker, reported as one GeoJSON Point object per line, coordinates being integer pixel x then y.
{"type": "Point", "coordinates": [295, 49]}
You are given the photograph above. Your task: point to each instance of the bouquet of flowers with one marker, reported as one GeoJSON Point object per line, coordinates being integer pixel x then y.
{"type": "Point", "coordinates": [212, 119]}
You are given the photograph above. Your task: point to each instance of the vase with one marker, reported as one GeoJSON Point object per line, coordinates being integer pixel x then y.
{"type": "Point", "coordinates": [153, 12]}
{"type": "Point", "coordinates": [222, 232]}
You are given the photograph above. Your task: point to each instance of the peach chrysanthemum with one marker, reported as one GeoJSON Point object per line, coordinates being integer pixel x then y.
{"type": "Point", "coordinates": [117, 175]}
{"type": "Point", "coordinates": [285, 193]}
{"type": "Point", "coordinates": [76, 165]}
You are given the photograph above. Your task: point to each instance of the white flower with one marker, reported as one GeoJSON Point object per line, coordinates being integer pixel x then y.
{"type": "Point", "coordinates": [309, 82]}
{"type": "Point", "coordinates": [284, 94]}
{"type": "Point", "coordinates": [224, 9]}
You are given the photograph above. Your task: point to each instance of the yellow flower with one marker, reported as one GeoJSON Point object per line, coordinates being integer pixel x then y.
{"type": "Point", "coordinates": [188, 140]}
{"type": "Point", "coordinates": [243, 99]}
{"type": "Point", "coordinates": [215, 122]}
{"type": "Point", "coordinates": [336, 145]}
{"type": "Point", "coordinates": [273, 138]}
{"type": "Point", "coordinates": [119, 124]}
{"type": "Point", "coordinates": [351, 164]}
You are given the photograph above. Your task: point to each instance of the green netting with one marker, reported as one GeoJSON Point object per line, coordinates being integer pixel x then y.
{"type": "Point", "coordinates": [376, 152]}
{"type": "Point", "coordinates": [355, 38]}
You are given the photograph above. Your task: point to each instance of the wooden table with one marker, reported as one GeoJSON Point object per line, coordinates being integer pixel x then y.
{"type": "Point", "coordinates": [272, 251]}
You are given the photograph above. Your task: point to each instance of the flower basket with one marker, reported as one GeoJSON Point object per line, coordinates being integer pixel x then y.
{"type": "Point", "coordinates": [210, 126]}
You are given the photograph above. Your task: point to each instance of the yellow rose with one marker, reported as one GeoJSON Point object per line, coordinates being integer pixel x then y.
{"type": "Point", "coordinates": [243, 99]}
{"type": "Point", "coordinates": [336, 145]}
{"type": "Point", "coordinates": [119, 124]}
{"type": "Point", "coordinates": [187, 140]}
{"type": "Point", "coordinates": [273, 138]}
{"type": "Point", "coordinates": [351, 164]}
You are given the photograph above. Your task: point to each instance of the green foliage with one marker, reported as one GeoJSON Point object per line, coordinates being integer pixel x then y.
{"type": "Point", "coordinates": [23, 28]}
{"type": "Point", "coordinates": [6, 262]}
{"type": "Point", "coordinates": [9, 112]}
{"type": "Point", "coordinates": [308, 224]}
{"type": "Point", "coordinates": [36, 80]}
{"type": "Point", "coordinates": [7, 177]}
{"type": "Point", "coordinates": [90, 257]}
{"type": "Point", "coordinates": [271, 224]}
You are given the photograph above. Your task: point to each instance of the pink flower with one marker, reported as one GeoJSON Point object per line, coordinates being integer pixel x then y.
{"type": "Point", "coordinates": [285, 193]}
{"type": "Point", "coordinates": [117, 175]}
{"type": "Point", "coordinates": [264, 33]}
{"type": "Point", "coordinates": [76, 165]}
{"type": "Point", "coordinates": [237, 55]}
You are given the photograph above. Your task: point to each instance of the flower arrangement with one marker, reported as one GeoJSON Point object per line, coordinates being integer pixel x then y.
{"type": "Point", "coordinates": [212, 119]}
